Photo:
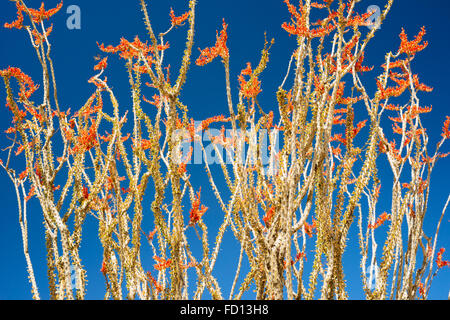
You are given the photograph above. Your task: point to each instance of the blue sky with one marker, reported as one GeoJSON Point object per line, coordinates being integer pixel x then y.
{"type": "Point", "coordinates": [107, 21]}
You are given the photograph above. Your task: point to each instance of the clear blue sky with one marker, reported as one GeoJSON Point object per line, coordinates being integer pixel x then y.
{"type": "Point", "coordinates": [107, 21]}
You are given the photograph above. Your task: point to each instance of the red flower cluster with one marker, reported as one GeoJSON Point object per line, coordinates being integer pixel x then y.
{"type": "Point", "coordinates": [268, 217]}
{"type": "Point", "coordinates": [220, 118]}
{"type": "Point", "coordinates": [392, 91]}
{"type": "Point", "coordinates": [162, 263]}
{"type": "Point", "coordinates": [18, 24]}
{"type": "Point", "coordinates": [347, 58]}
{"type": "Point", "coordinates": [182, 165]}
{"type": "Point", "coordinates": [309, 228]}
{"type": "Point", "coordinates": [381, 219]}
{"type": "Point", "coordinates": [223, 140]}
{"type": "Point", "coordinates": [220, 48]}
{"type": "Point", "coordinates": [85, 192]}
{"type": "Point", "coordinates": [299, 26]}
{"type": "Point", "coordinates": [41, 14]}
{"type": "Point", "coordinates": [340, 99]}
{"type": "Point", "coordinates": [156, 100]}
{"type": "Point", "coordinates": [445, 129]}
{"type": "Point", "coordinates": [38, 38]}
{"type": "Point", "coordinates": [27, 86]}
{"type": "Point", "coordinates": [86, 140]}
{"type": "Point", "coordinates": [103, 269]}
{"type": "Point", "coordinates": [31, 193]}
{"type": "Point", "coordinates": [298, 256]}
{"type": "Point", "coordinates": [155, 283]}
{"type": "Point", "coordinates": [145, 144]}
{"type": "Point", "coordinates": [102, 64]}
{"type": "Point", "coordinates": [196, 212]}
{"type": "Point", "coordinates": [252, 87]}
{"type": "Point", "coordinates": [398, 63]}
{"type": "Point", "coordinates": [178, 21]}
{"type": "Point", "coordinates": [36, 15]}
{"type": "Point", "coordinates": [421, 290]}
{"type": "Point", "coordinates": [361, 20]}
{"type": "Point", "coordinates": [127, 49]}
{"type": "Point", "coordinates": [413, 46]}
{"type": "Point", "coordinates": [441, 263]}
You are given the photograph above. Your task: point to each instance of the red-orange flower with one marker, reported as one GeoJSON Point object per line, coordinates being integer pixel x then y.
{"type": "Point", "coordinates": [298, 256]}
{"type": "Point", "coordinates": [155, 283]}
{"type": "Point", "coordinates": [102, 64]}
{"type": "Point", "coordinates": [162, 263]}
{"type": "Point", "coordinates": [421, 290]}
{"type": "Point", "coordinates": [220, 118]}
{"type": "Point", "coordinates": [252, 87]}
{"type": "Point", "coordinates": [103, 268]}
{"type": "Point", "coordinates": [196, 212]}
{"type": "Point", "coordinates": [182, 165]}
{"type": "Point", "coordinates": [85, 192]}
{"type": "Point", "coordinates": [220, 48]}
{"type": "Point", "coordinates": [86, 140]}
{"type": "Point", "coordinates": [38, 37]}
{"type": "Point", "coordinates": [392, 91]}
{"type": "Point", "coordinates": [445, 129]}
{"type": "Point", "coordinates": [441, 263]}
{"type": "Point", "coordinates": [413, 46]}
{"type": "Point", "coordinates": [31, 193]}
{"type": "Point", "coordinates": [23, 174]}
{"type": "Point", "coordinates": [309, 228]}
{"type": "Point", "coordinates": [359, 67]}
{"type": "Point", "coordinates": [178, 21]}
{"type": "Point", "coordinates": [18, 24]}
{"type": "Point", "coordinates": [268, 217]}
{"type": "Point", "coordinates": [420, 86]}
{"type": "Point", "coordinates": [144, 145]}
{"type": "Point", "coordinates": [340, 99]}
{"type": "Point", "coordinates": [27, 86]}
{"type": "Point", "coordinates": [41, 14]}
{"type": "Point", "coordinates": [361, 20]}
{"type": "Point", "coordinates": [299, 25]}
{"type": "Point", "coordinates": [151, 234]}
{"type": "Point", "coordinates": [338, 137]}
{"type": "Point", "coordinates": [223, 140]}
{"type": "Point", "coordinates": [381, 219]}
{"type": "Point", "coordinates": [36, 14]}
{"type": "Point", "coordinates": [156, 100]}
{"type": "Point", "coordinates": [127, 49]}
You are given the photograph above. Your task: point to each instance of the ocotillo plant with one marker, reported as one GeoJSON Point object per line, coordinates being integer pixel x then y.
{"type": "Point", "coordinates": [299, 175]}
